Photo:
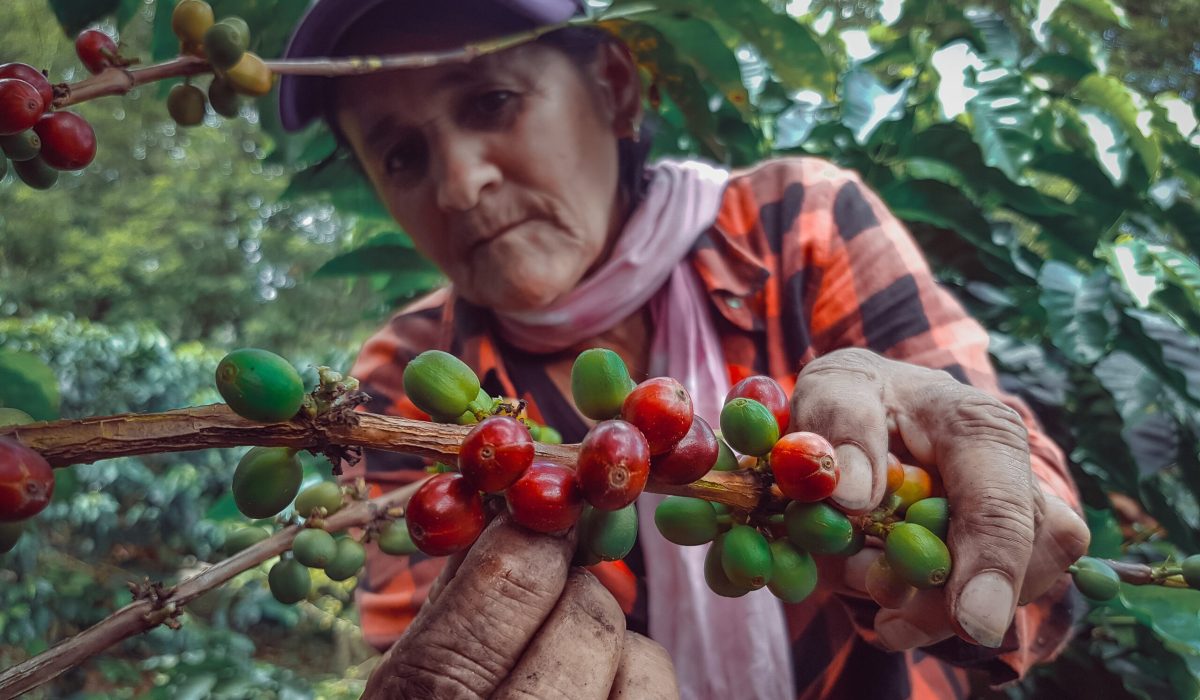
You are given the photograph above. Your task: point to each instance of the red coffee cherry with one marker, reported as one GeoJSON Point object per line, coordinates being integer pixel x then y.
{"type": "Point", "coordinates": [546, 498]}
{"type": "Point", "coordinates": [496, 453]}
{"type": "Point", "coordinates": [662, 409]}
{"type": "Point", "coordinates": [614, 463]}
{"type": "Point", "coordinates": [766, 391]}
{"type": "Point", "coordinates": [68, 142]}
{"type": "Point", "coordinates": [26, 481]}
{"type": "Point", "coordinates": [445, 515]}
{"type": "Point", "coordinates": [96, 50]}
{"type": "Point", "coordinates": [31, 75]}
{"type": "Point", "coordinates": [691, 458]}
{"type": "Point", "coordinates": [21, 105]}
{"type": "Point", "coordinates": [804, 467]}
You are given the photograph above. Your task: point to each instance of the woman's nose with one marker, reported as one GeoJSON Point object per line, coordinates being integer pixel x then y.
{"type": "Point", "coordinates": [464, 171]}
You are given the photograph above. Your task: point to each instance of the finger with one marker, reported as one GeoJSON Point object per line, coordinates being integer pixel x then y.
{"type": "Point", "coordinates": [466, 643]}
{"type": "Point", "coordinates": [856, 566]}
{"type": "Point", "coordinates": [445, 576]}
{"type": "Point", "coordinates": [453, 563]}
{"type": "Point", "coordinates": [981, 451]}
{"type": "Point", "coordinates": [577, 650]}
{"type": "Point", "coordinates": [923, 621]}
{"type": "Point", "coordinates": [1062, 538]}
{"type": "Point", "coordinates": [840, 396]}
{"type": "Point", "coordinates": [645, 673]}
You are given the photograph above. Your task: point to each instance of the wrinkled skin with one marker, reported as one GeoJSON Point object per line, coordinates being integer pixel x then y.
{"type": "Point", "coordinates": [512, 619]}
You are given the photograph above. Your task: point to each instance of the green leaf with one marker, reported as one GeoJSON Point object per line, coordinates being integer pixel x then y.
{"type": "Point", "coordinates": [1108, 141]}
{"type": "Point", "coordinates": [1000, 42]}
{"type": "Point", "coordinates": [1167, 501]}
{"type": "Point", "coordinates": [1144, 404]}
{"type": "Point", "coordinates": [1161, 345]}
{"type": "Point", "coordinates": [1003, 119]}
{"type": "Point", "coordinates": [338, 179]}
{"type": "Point", "coordinates": [945, 21]}
{"type": "Point", "coordinates": [1104, 9]}
{"type": "Point", "coordinates": [76, 15]}
{"type": "Point", "coordinates": [163, 43]}
{"type": "Point", "coordinates": [939, 204]}
{"type": "Point", "coordinates": [1081, 316]}
{"type": "Point", "coordinates": [1111, 95]}
{"type": "Point", "coordinates": [678, 79]}
{"type": "Point", "coordinates": [791, 48]}
{"type": "Point", "coordinates": [1096, 427]}
{"type": "Point", "coordinates": [1079, 43]}
{"type": "Point", "coordinates": [942, 205]}
{"type": "Point", "coordinates": [1068, 70]}
{"type": "Point", "coordinates": [374, 259]}
{"type": "Point", "coordinates": [1161, 277]}
{"type": "Point", "coordinates": [866, 103]}
{"type": "Point", "coordinates": [952, 144]}
{"type": "Point", "coordinates": [28, 384]}
{"type": "Point", "coordinates": [402, 288]}
{"type": "Point", "coordinates": [699, 44]}
{"type": "Point", "coordinates": [1106, 533]}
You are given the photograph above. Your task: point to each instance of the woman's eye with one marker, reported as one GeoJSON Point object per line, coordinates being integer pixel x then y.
{"type": "Point", "coordinates": [491, 108]}
{"type": "Point", "coordinates": [404, 158]}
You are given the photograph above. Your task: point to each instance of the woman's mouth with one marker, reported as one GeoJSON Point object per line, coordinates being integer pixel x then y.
{"type": "Point", "coordinates": [502, 232]}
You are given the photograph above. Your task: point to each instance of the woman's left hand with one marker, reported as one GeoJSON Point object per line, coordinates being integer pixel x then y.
{"type": "Point", "coordinates": [1009, 542]}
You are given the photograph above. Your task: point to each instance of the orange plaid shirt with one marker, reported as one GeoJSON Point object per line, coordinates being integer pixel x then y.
{"type": "Point", "coordinates": [803, 259]}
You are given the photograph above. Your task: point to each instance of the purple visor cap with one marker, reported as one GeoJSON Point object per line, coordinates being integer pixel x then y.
{"type": "Point", "coordinates": [319, 31]}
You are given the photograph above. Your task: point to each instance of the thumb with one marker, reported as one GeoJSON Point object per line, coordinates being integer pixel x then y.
{"type": "Point", "coordinates": [994, 507]}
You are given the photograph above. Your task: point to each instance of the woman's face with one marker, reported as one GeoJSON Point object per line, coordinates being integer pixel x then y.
{"type": "Point", "coordinates": [503, 171]}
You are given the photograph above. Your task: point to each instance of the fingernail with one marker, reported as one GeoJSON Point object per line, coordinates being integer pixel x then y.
{"type": "Point", "coordinates": [985, 608]}
{"type": "Point", "coordinates": [853, 491]}
{"type": "Point", "coordinates": [899, 635]}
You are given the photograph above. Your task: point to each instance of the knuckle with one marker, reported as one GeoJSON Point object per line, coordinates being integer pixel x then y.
{"type": "Point", "coordinates": [593, 601]}
{"type": "Point", "coordinates": [438, 670]}
{"type": "Point", "coordinates": [1001, 523]}
{"type": "Point", "coordinates": [1072, 538]}
{"type": "Point", "coordinates": [856, 362]}
{"type": "Point", "coordinates": [835, 389]}
{"type": "Point", "coordinates": [978, 416]}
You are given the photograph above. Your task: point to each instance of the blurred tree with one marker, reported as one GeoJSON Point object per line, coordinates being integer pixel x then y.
{"type": "Point", "coordinates": [1160, 51]}
{"type": "Point", "coordinates": [178, 227]}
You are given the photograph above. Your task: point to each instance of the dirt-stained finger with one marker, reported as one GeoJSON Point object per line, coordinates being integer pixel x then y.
{"type": "Point", "coordinates": [577, 650]}
{"type": "Point", "coordinates": [646, 672]}
{"type": "Point", "coordinates": [465, 644]}
{"type": "Point", "coordinates": [453, 562]}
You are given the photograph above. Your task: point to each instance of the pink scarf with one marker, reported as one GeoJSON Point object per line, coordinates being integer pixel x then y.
{"type": "Point", "coordinates": [721, 647]}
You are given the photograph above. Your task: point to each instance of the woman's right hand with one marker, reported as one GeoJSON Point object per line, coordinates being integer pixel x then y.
{"type": "Point", "coordinates": [512, 618]}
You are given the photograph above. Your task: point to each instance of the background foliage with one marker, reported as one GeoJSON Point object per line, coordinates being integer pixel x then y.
{"type": "Point", "coordinates": [1045, 154]}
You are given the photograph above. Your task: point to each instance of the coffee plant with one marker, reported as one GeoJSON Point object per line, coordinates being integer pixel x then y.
{"type": "Point", "coordinates": [773, 515]}
{"type": "Point", "coordinates": [1057, 201]}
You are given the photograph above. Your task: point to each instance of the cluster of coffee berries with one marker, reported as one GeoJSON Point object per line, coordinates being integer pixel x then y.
{"type": "Point", "coordinates": [642, 431]}
{"type": "Point", "coordinates": [752, 549]}
{"type": "Point", "coordinates": [39, 141]}
{"type": "Point", "coordinates": [26, 481]}
{"type": "Point", "coordinates": [289, 579]}
{"type": "Point", "coordinates": [225, 45]}
{"type": "Point", "coordinates": [495, 460]}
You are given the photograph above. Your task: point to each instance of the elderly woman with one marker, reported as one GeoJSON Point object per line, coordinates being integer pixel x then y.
{"type": "Point", "coordinates": [522, 175]}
